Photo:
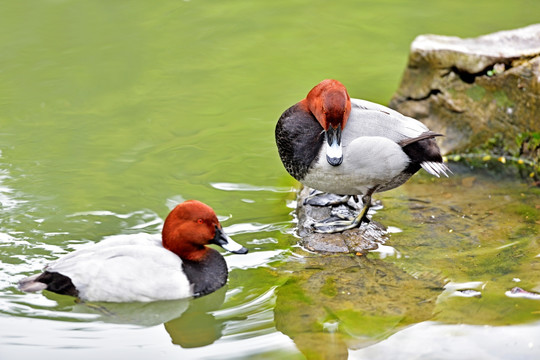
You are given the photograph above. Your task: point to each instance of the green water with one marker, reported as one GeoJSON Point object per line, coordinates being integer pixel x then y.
{"type": "Point", "coordinates": [111, 112]}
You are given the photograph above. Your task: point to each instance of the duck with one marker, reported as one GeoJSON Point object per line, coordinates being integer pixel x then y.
{"type": "Point", "coordinates": [145, 267]}
{"type": "Point", "coordinates": [351, 147]}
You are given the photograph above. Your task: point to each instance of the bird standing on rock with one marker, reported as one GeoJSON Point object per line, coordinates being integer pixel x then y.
{"type": "Point", "coordinates": [345, 146]}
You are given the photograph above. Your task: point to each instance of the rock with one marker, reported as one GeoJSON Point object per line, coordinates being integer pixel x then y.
{"type": "Point", "coordinates": [479, 92]}
{"type": "Point", "coordinates": [359, 240]}
{"type": "Point", "coordinates": [337, 302]}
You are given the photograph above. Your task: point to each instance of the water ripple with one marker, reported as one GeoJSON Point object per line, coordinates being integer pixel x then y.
{"type": "Point", "coordinates": [247, 187]}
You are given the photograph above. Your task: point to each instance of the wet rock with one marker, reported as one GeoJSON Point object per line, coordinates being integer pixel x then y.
{"type": "Point", "coordinates": [479, 92]}
{"type": "Point", "coordinates": [338, 302]}
{"type": "Point", "coordinates": [359, 240]}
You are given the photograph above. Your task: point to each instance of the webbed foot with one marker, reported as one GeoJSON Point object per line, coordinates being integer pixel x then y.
{"type": "Point", "coordinates": [340, 221]}
{"type": "Point", "coordinates": [325, 199]}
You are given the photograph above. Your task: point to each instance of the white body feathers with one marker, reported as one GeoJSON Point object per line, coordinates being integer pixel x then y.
{"type": "Point", "coordinates": [125, 268]}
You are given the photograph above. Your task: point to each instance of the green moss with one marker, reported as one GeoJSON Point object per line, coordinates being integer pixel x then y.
{"type": "Point", "coordinates": [499, 264]}
{"type": "Point", "coordinates": [531, 138]}
{"type": "Point", "coordinates": [359, 324]}
{"type": "Point", "coordinates": [294, 294]}
{"type": "Point", "coordinates": [502, 99]}
{"type": "Point", "coordinates": [494, 308]}
{"type": "Point", "coordinates": [476, 92]}
{"type": "Point", "coordinates": [329, 287]}
{"type": "Point", "coordinates": [528, 213]}
{"type": "Point", "coordinates": [529, 145]}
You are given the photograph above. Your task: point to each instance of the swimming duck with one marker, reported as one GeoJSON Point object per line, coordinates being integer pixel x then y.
{"type": "Point", "coordinates": [142, 267]}
{"type": "Point", "coordinates": [345, 146]}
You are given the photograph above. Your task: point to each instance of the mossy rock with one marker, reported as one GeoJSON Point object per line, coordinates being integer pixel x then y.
{"type": "Point", "coordinates": [475, 90]}
{"type": "Point", "coordinates": [357, 240]}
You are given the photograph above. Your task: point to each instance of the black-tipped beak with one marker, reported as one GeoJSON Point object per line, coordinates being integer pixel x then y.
{"type": "Point", "coordinates": [227, 243]}
{"type": "Point", "coordinates": [334, 151]}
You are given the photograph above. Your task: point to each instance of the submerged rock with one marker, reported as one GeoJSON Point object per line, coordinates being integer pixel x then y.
{"type": "Point", "coordinates": [358, 240]}
{"type": "Point", "coordinates": [334, 303]}
{"type": "Point", "coordinates": [479, 92]}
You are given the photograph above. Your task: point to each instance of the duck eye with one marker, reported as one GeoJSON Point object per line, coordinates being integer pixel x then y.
{"type": "Point", "coordinates": [200, 221]}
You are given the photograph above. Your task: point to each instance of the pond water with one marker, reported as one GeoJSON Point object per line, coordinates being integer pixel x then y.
{"type": "Point", "coordinates": [113, 112]}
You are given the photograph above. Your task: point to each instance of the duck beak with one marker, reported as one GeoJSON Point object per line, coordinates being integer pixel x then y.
{"type": "Point", "coordinates": [334, 151]}
{"type": "Point", "coordinates": [227, 243]}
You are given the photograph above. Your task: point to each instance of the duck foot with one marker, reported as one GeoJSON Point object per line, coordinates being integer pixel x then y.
{"type": "Point", "coordinates": [341, 212]}
{"type": "Point", "coordinates": [325, 199]}
{"type": "Point", "coordinates": [340, 221]}
{"type": "Point", "coordinates": [333, 227]}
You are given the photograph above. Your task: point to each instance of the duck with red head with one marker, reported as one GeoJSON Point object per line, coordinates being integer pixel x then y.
{"type": "Point", "coordinates": [330, 103]}
{"type": "Point", "coordinates": [345, 146]}
{"type": "Point", "coordinates": [143, 267]}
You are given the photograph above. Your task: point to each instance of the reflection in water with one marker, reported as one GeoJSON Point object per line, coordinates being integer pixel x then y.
{"type": "Point", "coordinates": [189, 322]}
{"type": "Point", "coordinates": [136, 313]}
{"type": "Point", "coordinates": [194, 329]}
{"type": "Point", "coordinates": [198, 326]}
{"type": "Point", "coordinates": [431, 340]}
{"type": "Point", "coordinates": [248, 187]}
{"type": "Point", "coordinates": [336, 303]}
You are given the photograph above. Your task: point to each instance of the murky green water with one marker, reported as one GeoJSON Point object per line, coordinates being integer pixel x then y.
{"type": "Point", "coordinates": [113, 112]}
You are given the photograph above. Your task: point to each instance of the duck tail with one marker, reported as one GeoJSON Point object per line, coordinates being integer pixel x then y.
{"type": "Point", "coordinates": [436, 168]}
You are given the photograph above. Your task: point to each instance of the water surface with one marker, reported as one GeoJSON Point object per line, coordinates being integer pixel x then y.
{"type": "Point", "coordinates": [113, 112]}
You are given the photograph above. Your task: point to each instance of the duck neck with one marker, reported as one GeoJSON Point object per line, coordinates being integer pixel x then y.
{"type": "Point", "coordinates": [304, 105]}
{"type": "Point", "coordinates": [184, 249]}
{"type": "Point", "coordinates": [207, 274]}
{"type": "Point", "coordinates": [187, 251]}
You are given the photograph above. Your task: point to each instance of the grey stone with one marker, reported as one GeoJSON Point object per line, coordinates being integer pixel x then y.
{"type": "Point", "coordinates": [474, 90]}
{"type": "Point", "coordinates": [358, 240]}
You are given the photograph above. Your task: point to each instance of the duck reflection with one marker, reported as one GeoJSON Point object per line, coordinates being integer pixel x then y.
{"type": "Point", "coordinates": [189, 322]}
{"type": "Point", "coordinates": [340, 302]}
{"type": "Point", "coordinates": [197, 326]}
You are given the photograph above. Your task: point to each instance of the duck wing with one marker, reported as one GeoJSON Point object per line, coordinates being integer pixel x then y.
{"type": "Point", "coordinates": [417, 141]}
{"type": "Point", "coordinates": [371, 119]}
